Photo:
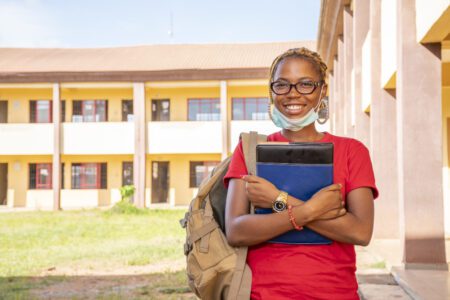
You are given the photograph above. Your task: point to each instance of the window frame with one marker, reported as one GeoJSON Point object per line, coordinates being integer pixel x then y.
{"type": "Point", "coordinates": [96, 104]}
{"type": "Point", "coordinates": [36, 116]}
{"type": "Point", "coordinates": [130, 163]}
{"type": "Point", "coordinates": [193, 174]}
{"type": "Point", "coordinates": [37, 184]}
{"type": "Point", "coordinates": [83, 185]}
{"type": "Point", "coordinates": [200, 100]}
{"type": "Point", "coordinates": [123, 105]}
{"type": "Point", "coordinates": [246, 100]}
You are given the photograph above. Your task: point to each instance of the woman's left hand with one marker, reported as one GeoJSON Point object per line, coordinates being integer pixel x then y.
{"type": "Point", "coordinates": [260, 192]}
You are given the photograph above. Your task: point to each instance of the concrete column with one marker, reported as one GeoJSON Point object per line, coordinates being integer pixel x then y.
{"type": "Point", "coordinates": [382, 137]}
{"type": "Point", "coordinates": [341, 86]}
{"type": "Point", "coordinates": [337, 98]}
{"type": "Point", "coordinates": [419, 136]}
{"type": "Point", "coordinates": [348, 66]}
{"type": "Point", "coordinates": [331, 108]}
{"type": "Point", "coordinates": [139, 160]}
{"type": "Point", "coordinates": [56, 160]}
{"type": "Point", "coordinates": [224, 119]}
{"type": "Point", "coordinates": [360, 29]}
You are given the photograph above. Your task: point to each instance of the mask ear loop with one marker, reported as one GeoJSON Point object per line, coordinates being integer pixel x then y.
{"type": "Point", "coordinates": [321, 105]}
{"type": "Point", "coordinates": [320, 101]}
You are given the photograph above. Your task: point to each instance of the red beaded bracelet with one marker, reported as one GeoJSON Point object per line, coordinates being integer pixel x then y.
{"type": "Point", "coordinates": [292, 219]}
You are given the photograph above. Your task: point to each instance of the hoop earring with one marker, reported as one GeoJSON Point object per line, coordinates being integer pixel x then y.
{"type": "Point", "coordinates": [324, 112]}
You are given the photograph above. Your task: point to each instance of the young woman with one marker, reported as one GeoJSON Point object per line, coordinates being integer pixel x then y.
{"type": "Point", "coordinates": [342, 212]}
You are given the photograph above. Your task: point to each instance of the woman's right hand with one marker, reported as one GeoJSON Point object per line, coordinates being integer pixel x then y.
{"type": "Point", "coordinates": [326, 203]}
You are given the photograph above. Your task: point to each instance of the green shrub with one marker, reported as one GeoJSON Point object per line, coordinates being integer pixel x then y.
{"type": "Point", "coordinates": [126, 192]}
{"type": "Point", "coordinates": [124, 206]}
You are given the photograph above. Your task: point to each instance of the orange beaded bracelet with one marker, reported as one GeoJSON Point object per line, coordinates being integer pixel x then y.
{"type": "Point", "coordinates": [292, 219]}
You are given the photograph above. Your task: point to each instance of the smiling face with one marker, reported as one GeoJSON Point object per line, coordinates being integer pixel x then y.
{"type": "Point", "coordinates": [293, 70]}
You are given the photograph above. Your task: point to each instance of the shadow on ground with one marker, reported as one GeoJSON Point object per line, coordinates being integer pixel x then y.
{"type": "Point", "coordinates": [168, 285]}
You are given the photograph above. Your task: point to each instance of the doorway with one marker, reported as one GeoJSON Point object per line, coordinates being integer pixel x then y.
{"type": "Point", "coordinates": [160, 110]}
{"type": "Point", "coordinates": [3, 111]}
{"type": "Point", "coordinates": [3, 183]}
{"type": "Point", "coordinates": [160, 182]}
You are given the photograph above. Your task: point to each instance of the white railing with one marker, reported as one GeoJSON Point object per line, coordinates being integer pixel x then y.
{"type": "Point", "coordinates": [184, 137]}
{"type": "Point", "coordinates": [19, 139]}
{"type": "Point", "coordinates": [98, 138]}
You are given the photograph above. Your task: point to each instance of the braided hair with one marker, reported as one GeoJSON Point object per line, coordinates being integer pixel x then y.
{"type": "Point", "coordinates": [303, 53]}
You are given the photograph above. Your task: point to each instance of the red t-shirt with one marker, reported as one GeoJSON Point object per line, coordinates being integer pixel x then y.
{"type": "Point", "coordinates": [282, 271]}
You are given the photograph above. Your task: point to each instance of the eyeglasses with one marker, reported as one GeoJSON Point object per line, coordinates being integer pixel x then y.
{"type": "Point", "coordinates": [305, 87]}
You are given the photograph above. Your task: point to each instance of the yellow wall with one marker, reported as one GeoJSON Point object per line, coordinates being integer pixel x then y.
{"type": "Point", "coordinates": [18, 102]}
{"type": "Point", "coordinates": [114, 167]}
{"type": "Point", "coordinates": [18, 175]}
{"type": "Point", "coordinates": [244, 92]}
{"type": "Point", "coordinates": [178, 173]}
{"type": "Point", "coordinates": [178, 99]}
{"type": "Point", "coordinates": [113, 95]}
{"type": "Point", "coordinates": [182, 194]}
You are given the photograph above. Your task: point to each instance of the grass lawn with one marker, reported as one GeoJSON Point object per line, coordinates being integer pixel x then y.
{"type": "Point", "coordinates": [48, 250]}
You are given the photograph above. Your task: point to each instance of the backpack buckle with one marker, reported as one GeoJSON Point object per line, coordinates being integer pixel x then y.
{"type": "Point", "coordinates": [183, 222]}
{"type": "Point", "coordinates": [187, 248]}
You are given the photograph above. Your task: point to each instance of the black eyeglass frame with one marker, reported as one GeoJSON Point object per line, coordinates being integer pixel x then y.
{"type": "Point", "coordinates": [316, 84]}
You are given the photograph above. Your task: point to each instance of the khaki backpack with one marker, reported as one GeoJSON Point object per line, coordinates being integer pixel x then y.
{"type": "Point", "coordinates": [216, 270]}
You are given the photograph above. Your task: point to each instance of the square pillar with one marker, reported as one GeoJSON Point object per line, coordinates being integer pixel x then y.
{"type": "Point", "coordinates": [341, 86]}
{"type": "Point", "coordinates": [360, 30]}
{"type": "Point", "coordinates": [331, 104]}
{"type": "Point", "coordinates": [56, 159]}
{"type": "Point", "coordinates": [224, 119]}
{"type": "Point", "coordinates": [419, 136]}
{"type": "Point", "coordinates": [139, 159]}
{"type": "Point", "coordinates": [348, 66]}
{"type": "Point", "coordinates": [336, 98]}
{"type": "Point", "coordinates": [382, 137]}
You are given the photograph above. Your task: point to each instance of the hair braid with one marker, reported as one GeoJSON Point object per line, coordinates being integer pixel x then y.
{"type": "Point", "coordinates": [303, 53]}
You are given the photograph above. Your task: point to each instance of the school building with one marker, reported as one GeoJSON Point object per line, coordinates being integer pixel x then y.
{"type": "Point", "coordinates": [389, 86]}
{"type": "Point", "coordinates": [78, 124]}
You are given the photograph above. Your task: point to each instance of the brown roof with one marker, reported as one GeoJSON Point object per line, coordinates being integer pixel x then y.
{"type": "Point", "coordinates": [20, 63]}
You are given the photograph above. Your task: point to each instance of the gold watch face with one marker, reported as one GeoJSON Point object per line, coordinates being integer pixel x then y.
{"type": "Point", "coordinates": [279, 206]}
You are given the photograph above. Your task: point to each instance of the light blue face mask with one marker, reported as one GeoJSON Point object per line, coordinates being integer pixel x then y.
{"type": "Point", "coordinates": [284, 122]}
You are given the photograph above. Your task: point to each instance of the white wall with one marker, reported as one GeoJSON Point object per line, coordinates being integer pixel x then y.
{"type": "Point", "coordinates": [18, 139]}
{"type": "Point", "coordinates": [184, 137]}
{"type": "Point", "coordinates": [98, 138]}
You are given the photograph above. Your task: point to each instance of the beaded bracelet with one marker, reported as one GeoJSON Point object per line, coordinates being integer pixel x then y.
{"type": "Point", "coordinates": [292, 219]}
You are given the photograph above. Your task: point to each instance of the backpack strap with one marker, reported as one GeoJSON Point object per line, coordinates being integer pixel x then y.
{"type": "Point", "coordinates": [240, 286]}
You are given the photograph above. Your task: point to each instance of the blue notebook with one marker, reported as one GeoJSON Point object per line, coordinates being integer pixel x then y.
{"type": "Point", "coordinates": [300, 169]}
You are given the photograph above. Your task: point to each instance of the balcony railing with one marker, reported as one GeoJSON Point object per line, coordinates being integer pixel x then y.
{"type": "Point", "coordinates": [23, 139]}
{"type": "Point", "coordinates": [98, 138]}
{"type": "Point", "coordinates": [184, 137]}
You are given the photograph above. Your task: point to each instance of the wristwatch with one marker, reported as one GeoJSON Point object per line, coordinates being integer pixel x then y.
{"type": "Point", "coordinates": [280, 203]}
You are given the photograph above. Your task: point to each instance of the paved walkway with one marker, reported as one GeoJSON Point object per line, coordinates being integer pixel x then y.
{"type": "Point", "coordinates": [393, 280]}
{"type": "Point", "coordinates": [374, 278]}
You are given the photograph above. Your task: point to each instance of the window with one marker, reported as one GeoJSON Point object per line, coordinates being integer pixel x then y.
{"type": "Point", "coordinates": [127, 110]}
{"type": "Point", "coordinates": [199, 170]}
{"type": "Point", "coordinates": [40, 111]}
{"type": "Point", "coordinates": [250, 108]}
{"type": "Point", "coordinates": [89, 176]}
{"type": "Point", "coordinates": [89, 111]}
{"type": "Point", "coordinates": [3, 111]}
{"type": "Point", "coordinates": [204, 110]}
{"type": "Point", "coordinates": [40, 176]}
{"type": "Point", "coordinates": [127, 173]}
{"type": "Point", "coordinates": [161, 110]}
{"type": "Point", "coordinates": [63, 110]}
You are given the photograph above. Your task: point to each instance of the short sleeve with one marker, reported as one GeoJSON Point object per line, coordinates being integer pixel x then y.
{"type": "Point", "coordinates": [360, 169]}
{"type": "Point", "coordinates": [237, 167]}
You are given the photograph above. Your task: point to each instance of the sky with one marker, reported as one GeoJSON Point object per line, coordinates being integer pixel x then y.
{"type": "Point", "coordinates": [110, 23]}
